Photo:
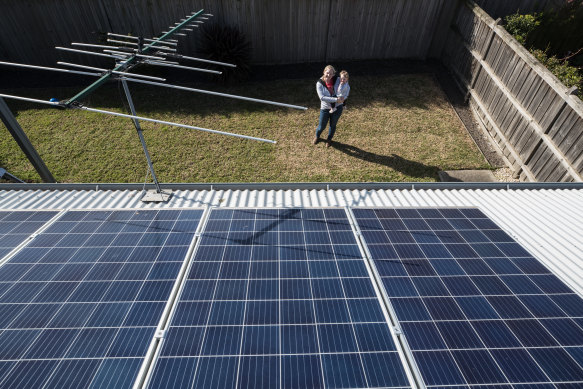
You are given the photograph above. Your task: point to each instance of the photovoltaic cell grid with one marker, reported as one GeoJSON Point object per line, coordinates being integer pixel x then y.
{"type": "Point", "coordinates": [80, 303]}
{"type": "Point", "coordinates": [278, 298]}
{"type": "Point", "coordinates": [17, 226]}
{"type": "Point", "coordinates": [475, 307]}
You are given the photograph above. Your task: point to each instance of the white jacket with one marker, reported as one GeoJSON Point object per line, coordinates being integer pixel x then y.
{"type": "Point", "coordinates": [325, 96]}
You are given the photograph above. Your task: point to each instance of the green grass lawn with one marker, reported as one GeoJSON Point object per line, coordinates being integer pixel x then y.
{"type": "Point", "coordinates": [396, 128]}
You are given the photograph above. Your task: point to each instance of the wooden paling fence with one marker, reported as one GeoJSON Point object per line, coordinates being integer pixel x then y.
{"type": "Point", "coordinates": [280, 31]}
{"type": "Point", "coordinates": [536, 121]}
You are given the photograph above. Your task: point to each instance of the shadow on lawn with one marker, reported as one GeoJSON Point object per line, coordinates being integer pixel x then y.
{"type": "Point", "coordinates": [403, 165]}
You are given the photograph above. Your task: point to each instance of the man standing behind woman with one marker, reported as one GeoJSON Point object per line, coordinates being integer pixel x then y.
{"type": "Point", "coordinates": [331, 105]}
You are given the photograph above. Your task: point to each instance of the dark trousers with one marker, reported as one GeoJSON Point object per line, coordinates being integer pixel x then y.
{"type": "Point", "coordinates": [325, 115]}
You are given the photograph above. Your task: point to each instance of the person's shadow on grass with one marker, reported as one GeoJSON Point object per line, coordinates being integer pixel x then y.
{"type": "Point", "coordinates": [405, 166]}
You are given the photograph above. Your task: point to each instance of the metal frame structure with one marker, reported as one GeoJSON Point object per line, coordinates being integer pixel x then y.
{"type": "Point", "coordinates": [7, 176]}
{"type": "Point", "coordinates": [25, 145]}
{"type": "Point", "coordinates": [130, 52]}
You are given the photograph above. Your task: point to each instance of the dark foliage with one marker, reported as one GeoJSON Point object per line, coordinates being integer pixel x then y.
{"type": "Point", "coordinates": [555, 38]}
{"type": "Point", "coordinates": [560, 32]}
{"type": "Point", "coordinates": [521, 25]}
{"type": "Point", "coordinates": [227, 44]}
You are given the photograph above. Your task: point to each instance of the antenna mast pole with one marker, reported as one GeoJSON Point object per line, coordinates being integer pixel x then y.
{"type": "Point", "coordinates": [140, 134]}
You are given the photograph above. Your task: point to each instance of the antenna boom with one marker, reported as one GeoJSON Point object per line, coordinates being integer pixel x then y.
{"type": "Point", "coordinates": [130, 61]}
{"type": "Point", "coordinates": [134, 117]}
{"type": "Point", "coordinates": [218, 94]}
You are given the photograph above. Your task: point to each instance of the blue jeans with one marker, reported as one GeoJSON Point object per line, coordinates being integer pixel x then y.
{"type": "Point", "coordinates": [325, 115]}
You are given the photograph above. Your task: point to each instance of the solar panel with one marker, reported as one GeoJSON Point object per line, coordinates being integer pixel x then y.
{"type": "Point", "coordinates": [475, 307]}
{"type": "Point", "coordinates": [278, 298]}
{"type": "Point", "coordinates": [79, 305]}
{"type": "Point", "coordinates": [17, 226]}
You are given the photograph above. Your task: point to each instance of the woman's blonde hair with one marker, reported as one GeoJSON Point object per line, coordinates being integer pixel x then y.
{"type": "Point", "coordinates": [329, 67]}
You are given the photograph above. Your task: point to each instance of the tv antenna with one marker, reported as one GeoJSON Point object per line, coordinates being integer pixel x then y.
{"type": "Point", "coordinates": [128, 52]}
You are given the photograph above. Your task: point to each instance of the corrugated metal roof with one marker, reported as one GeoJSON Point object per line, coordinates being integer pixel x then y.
{"type": "Point", "coordinates": [546, 219]}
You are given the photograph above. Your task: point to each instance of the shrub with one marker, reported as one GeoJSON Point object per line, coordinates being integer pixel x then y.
{"type": "Point", "coordinates": [568, 75]}
{"type": "Point", "coordinates": [521, 25]}
{"type": "Point", "coordinates": [227, 44]}
{"type": "Point", "coordinates": [560, 30]}
{"type": "Point", "coordinates": [553, 37]}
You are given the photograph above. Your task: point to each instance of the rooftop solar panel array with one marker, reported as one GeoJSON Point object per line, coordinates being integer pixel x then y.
{"type": "Point", "coordinates": [475, 307]}
{"type": "Point", "coordinates": [278, 299]}
{"type": "Point", "coordinates": [79, 304]}
{"type": "Point", "coordinates": [17, 226]}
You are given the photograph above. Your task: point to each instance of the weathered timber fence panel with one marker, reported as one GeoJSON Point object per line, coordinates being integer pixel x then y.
{"type": "Point", "coordinates": [535, 120]}
{"type": "Point", "coordinates": [280, 31]}
{"type": "Point", "coordinates": [381, 28]}
{"type": "Point", "coordinates": [29, 30]}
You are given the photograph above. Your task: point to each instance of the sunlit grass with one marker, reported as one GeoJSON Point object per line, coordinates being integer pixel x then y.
{"type": "Point", "coordinates": [396, 128]}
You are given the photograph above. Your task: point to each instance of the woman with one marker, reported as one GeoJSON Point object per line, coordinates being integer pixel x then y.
{"type": "Point", "coordinates": [325, 87]}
